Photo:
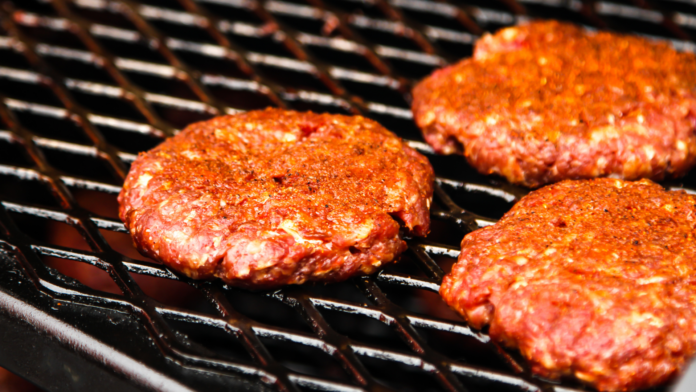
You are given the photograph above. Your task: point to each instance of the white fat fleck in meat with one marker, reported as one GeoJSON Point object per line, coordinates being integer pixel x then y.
{"type": "Point", "coordinates": [509, 33]}
{"type": "Point", "coordinates": [198, 259]}
{"type": "Point", "coordinates": [163, 204]}
{"type": "Point", "coordinates": [220, 134]}
{"type": "Point", "coordinates": [360, 232]}
{"type": "Point", "coordinates": [177, 236]}
{"type": "Point", "coordinates": [429, 116]}
{"type": "Point", "coordinates": [547, 359]}
{"type": "Point", "coordinates": [413, 198]}
{"type": "Point", "coordinates": [392, 144]}
{"type": "Point", "coordinates": [637, 317]}
{"type": "Point", "coordinates": [243, 270]}
{"type": "Point", "coordinates": [518, 284]}
{"type": "Point", "coordinates": [192, 155]}
{"type": "Point", "coordinates": [143, 180]}
{"type": "Point", "coordinates": [491, 119]}
{"type": "Point", "coordinates": [254, 247]}
{"type": "Point", "coordinates": [232, 136]}
{"type": "Point", "coordinates": [601, 164]}
{"type": "Point", "coordinates": [190, 216]}
{"type": "Point", "coordinates": [649, 152]}
{"type": "Point", "coordinates": [289, 137]}
{"type": "Point", "coordinates": [266, 262]}
{"type": "Point", "coordinates": [652, 279]}
{"type": "Point", "coordinates": [395, 193]}
{"type": "Point", "coordinates": [492, 272]}
{"type": "Point", "coordinates": [604, 133]}
{"type": "Point", "coordinates": [289, 227]}
{"type": "Point", "coordinates": [476, 128]}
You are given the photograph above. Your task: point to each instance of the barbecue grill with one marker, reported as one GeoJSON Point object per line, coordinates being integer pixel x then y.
{"type": "Point", "coordinates": [86, 84]}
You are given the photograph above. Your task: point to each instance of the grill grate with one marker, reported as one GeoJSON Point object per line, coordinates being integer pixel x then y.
{"type": "Point", "coordinates": [86, 84]}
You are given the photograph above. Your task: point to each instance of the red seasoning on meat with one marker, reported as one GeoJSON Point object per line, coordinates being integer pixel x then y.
{"type": "Point", "coordinates": [594, 279]}
{"type": "Point", "coordinates": [273, 197]}
{"type": "Point", "coordinates": [547, 101]}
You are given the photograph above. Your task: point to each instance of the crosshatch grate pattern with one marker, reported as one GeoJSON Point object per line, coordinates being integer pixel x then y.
{"type": "Point", "coordinates": [86, 84]}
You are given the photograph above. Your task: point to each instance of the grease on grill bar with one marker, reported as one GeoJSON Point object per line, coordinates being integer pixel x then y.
{"type": "Point", "coordinates": [86, 84]}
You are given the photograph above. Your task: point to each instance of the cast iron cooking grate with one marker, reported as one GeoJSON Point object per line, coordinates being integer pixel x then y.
{"type": "Point", "coordinates": [86, 84]}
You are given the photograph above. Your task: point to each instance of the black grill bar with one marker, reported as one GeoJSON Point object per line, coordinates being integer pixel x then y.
{"type": "Point", "coordinates": [142, 80]}
{"type": "Point", "coordinates": [58, 86]}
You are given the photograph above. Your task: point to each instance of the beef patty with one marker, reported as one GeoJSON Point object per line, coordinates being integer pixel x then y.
{"type": "Point", "coordinates": [591, 278]}
{"type": "Point", "coordinates": [274, 197]}
{"type": "Point", "coordinates": [547, 101]}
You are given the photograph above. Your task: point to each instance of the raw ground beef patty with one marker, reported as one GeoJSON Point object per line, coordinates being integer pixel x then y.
{"type": "Point", "coordinates": [275, 197]}
{"type": "Point", "coordinates": [547, 101]}
{"type": "Point", "coordinates": [591, 278]}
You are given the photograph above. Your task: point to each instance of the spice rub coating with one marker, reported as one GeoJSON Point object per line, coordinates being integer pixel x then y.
{"type": "Point", "coordinates": [273, 197]}
{"type": "Point", "coordinates": [547, 101]}
{"type": "Point", "coordinates": [591, 278]}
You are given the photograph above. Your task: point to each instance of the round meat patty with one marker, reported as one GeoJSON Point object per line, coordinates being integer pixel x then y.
{"type": "Point", "coordinates": [592, 278]}
{"type": "Point", "coordinates": [547, 101]}
{"type": "Point", "coordinates": [270, 198]}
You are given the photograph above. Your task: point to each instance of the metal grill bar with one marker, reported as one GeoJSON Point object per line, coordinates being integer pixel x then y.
{"type": "Point", "coordinates": [388, 44]}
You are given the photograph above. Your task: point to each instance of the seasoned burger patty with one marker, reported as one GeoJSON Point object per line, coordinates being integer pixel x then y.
{"type": "Point", "coordinates": [590, 278]}
{"type": "Point", "coordinates": [274, 197]}
{"type": "Point", "coordinates": [547, 101]}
